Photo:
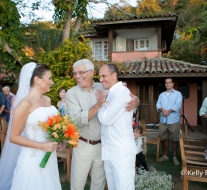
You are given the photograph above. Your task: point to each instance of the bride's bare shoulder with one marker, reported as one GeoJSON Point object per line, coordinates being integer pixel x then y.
{"type": "Point", "coordinates": [24, 104]}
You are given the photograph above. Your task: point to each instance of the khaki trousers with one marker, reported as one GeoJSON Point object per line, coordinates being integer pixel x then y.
{"type": "Point", "coordinates": [84, 158]}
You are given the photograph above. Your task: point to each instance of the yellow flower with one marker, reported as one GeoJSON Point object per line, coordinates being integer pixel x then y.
{"type": "Point", "coordinates": [44, 129]}
{"type": "Point", "coordinates": [58, 126]}
{"type": "Point", "coordinates": [73, 142]}
{"type": "Point", "coordinates": [64, 127]}
{"type": "Point", "coordinates": [55, 127]}
{"type": "Point", "coordinates": [54, 134]}
{"type": "Point", "coordinates": [44, 126]}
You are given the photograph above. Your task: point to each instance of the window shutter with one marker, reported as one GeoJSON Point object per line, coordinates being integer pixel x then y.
{"type": "Point", "coordinates": [130, 45]}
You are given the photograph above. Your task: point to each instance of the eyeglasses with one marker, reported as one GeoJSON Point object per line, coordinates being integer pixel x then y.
{"type": "Point", "coordinates": [80, 72]}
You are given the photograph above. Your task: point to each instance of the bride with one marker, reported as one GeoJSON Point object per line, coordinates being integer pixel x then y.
{"type": "Point", "coordinates": [30, 106]}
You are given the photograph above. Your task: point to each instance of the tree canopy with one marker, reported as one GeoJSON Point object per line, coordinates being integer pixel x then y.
{"type": "Point", "coordinates": [21, 43]}
{"type": "Point", "coordinates": [191, 46]}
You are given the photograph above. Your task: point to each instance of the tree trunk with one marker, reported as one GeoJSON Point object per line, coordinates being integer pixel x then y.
{"type": "Point", "coordinates": [77, 24]}
{"type": "Point", "coordinates": [67, 25]}
{"type": "Point", "coordinates": [11, 52]}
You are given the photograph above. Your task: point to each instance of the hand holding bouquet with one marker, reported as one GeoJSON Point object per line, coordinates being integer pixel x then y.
{"type": "Point", "coordinates": [60, 129]}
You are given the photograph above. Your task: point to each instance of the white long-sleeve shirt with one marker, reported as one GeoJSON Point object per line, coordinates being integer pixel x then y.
{"type": "Point", "coordinates": [116, 124]}
{"type": "Point", "coordinates": [203, 109]}
{"type": "Point", "coordinates": [138, 142]}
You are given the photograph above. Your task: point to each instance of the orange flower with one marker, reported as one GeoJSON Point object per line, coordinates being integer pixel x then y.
{"type": "Point", "coordinates": [49, 121]}
{"type": "Point", "coordinates": [57, 119]}
{"type": "Point", "coordinates": [75, 135]}
{"type": "Point", "coordinates": [70, 131]}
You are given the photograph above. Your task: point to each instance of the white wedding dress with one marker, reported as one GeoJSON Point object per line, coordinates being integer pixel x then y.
{"type": "Point", "coordinates": [28, 175]}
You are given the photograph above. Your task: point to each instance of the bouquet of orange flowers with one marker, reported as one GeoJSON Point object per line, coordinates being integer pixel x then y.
{"type": "Point", "coordinates": [61, 129]}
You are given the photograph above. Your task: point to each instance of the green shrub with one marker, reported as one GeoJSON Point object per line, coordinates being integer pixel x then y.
{"type": "Point", "coordinates": [61, 61]}
{"type": "Point", "coordinates": [59, 82]}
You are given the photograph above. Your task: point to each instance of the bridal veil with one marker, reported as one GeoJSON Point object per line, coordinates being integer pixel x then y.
{"type": "Point", "coordinates": [11, 151]}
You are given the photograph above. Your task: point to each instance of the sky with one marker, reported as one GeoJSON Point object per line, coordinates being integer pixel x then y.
{"type": "Point", "coordinates": [94, 10]}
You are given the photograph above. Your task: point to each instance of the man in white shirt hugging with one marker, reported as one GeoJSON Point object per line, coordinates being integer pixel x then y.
{"type": "Point", "coordinates": [118, 146]}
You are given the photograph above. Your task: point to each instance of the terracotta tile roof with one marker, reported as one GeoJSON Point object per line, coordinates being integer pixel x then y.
{"type": "Point", "coordinates": [136, 17]}
{"type": "Point", "coordinates": [161, 66]}
{"type": "Point", "coordinates": [88, 33]}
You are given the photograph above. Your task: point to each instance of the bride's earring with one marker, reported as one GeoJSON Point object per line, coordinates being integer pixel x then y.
{"type": "Point", "coordinates": [38, 86]}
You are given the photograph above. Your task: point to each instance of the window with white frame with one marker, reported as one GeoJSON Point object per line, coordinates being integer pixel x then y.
{"type": "Point", "coordinates": [101, 50]}
{"type": "Point", "coordinates": [141, 44]}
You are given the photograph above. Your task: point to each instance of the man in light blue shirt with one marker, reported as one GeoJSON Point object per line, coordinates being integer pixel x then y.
{"type": "Point", "coordinates": [203, 114]}
{"type": "Point", "coordinates": [203, 109]}
{"type": "Point", "coordinates": [169, 104]}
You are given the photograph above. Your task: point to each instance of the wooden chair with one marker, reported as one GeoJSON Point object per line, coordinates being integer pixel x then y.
{"type": "Point", "coordinates": [153, 137]}
{"type": "Point", "coordinates": [193, 161]}
{"type": "Point", "coordinates": [144, 145]}
{"type": "Point", "coordinates": [3, 131]}
{"type": "Point", "coordinates": [67, 155]}
{"type": "Point", "coordinates": [194, 135]}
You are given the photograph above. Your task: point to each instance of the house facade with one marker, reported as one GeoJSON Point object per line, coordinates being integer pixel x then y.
{"type": "Point", "coordinates": [132, 38]}
{"type": "Point", "coordinates": [139, 42]}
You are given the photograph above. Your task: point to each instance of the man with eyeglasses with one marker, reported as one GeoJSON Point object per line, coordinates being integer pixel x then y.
{"type": "Point", "coordinates": [169, 104]}
{"type": "Point", "coordinates": [83, 104]}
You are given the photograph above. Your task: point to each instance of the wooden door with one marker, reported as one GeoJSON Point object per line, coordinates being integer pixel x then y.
{"type": "Point", "coordinates": [129, 45]}
{"type": "Point", "coordinates": [148, 95]}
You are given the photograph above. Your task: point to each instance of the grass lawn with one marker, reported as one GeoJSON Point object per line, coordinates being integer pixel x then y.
{"type": "Point", "coordinates": [64, 184]}
{"type": "Point", "coordinates": [167, 166]}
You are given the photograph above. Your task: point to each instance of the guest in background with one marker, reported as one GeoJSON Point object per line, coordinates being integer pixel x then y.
{"type": "Point", "coordinates": [134, 120]}
{"type": "Point", "coordinates": [62, 107]}
{"type": "Point", "coordinates": [6, 112]}
{"type": "Point", "coordinates": [124, 83]}
{"type": "Point", "coordinates": [140, 157]}
{"type": "Point", "coordinates": [203, 109]}
{"type": "Point", "coordinates": [169, 104]}
{"type": "Point", "coordinates": [9, 90]}
{"type": "Point", "coordinates": [2, 103]}
{"type": "Point", "coordinates": [203, 114]}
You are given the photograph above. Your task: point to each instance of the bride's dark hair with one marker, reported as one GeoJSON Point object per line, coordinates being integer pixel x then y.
{"type": "Point", "coordinates": [39, 71]}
